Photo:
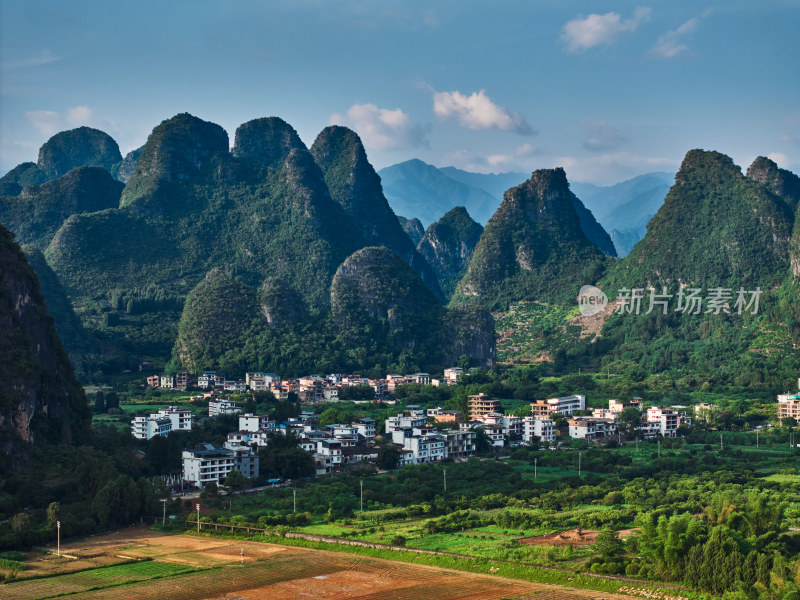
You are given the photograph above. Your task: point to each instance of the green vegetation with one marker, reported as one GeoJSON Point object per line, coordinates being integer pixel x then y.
{"type": "Point", "coordinates": [448, 245]}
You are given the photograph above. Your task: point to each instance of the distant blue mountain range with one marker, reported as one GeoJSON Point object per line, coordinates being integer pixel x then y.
{"type": "Point", "coordinates": [417, 189]}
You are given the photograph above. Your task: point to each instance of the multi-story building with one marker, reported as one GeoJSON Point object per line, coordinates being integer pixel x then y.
{"type": "Point", "coordinates": [402, 421]}
{"type": "Point", "coordinates": [154, 381]}
{"type": "Point", "coordinates": [542, 429]}
{"type": "Point", "coordinates": [244, 459]}
{"type": "Point", "coordinates": [564, 405]}
{"type": "Point", "coordinates": [495, 435]}
{"type": "Point", "coordinates": [789, 406]}
{"type": "Point", "coordinates": [481, 404]}
{"type": "Point", "coordinates": [183, 381]}
{"type": "Point", "coordinates": [459, 445]}
{"type": "Point", "coordinates": [210, 379]}
{"type": "Point", "coordinates": [328, 456]}
{"type": "Point", "coordinates": [441, 415]}
{"type": "Point", "coordinates": [616, 406]}
{"type": "Point", "coordinates": [177, 419]}
{"type": "Point", "coordinates": [167, 382]}
{"type": "Point", "coordinates": [704, 412]}
{"type": "Point", "coordinates": [667, 419]}
{"type": "Point", "coordinates": [145, 428]}
{"type": "Point", "coordinates": [253, 423]}
{"type": "Point", "coordinates": [426, 446]}
{"type": "Point", "coordinates": [205, 464]}
{"type": "Point", "coordinates": [222, 407]}
{"type": "Point", "coordinates": [452, 374]}
{"type": "Point", "coordinates": [366, 427]}
{"type": "Point", "coordinates": [589, 428]}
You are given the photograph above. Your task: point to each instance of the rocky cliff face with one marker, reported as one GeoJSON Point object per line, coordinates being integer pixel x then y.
{"type": "Point", "coordinates": [470, 332]}
{"type": "Point", "coordinates": [355, 185]}
{"type": "Point", "coordinates": [40, 399]}
{"type": "Point", "coordinates": [413, 228]}
{"type": "Point", "coordinates": [122, 171]}
{"type": "Point", "coordinates": [534, 239]}
{"type": "Point", "coordinates": [448, 245]}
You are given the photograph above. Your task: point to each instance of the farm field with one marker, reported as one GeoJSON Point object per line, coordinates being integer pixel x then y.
{"type": "Point", "coordinates": [191, 567]}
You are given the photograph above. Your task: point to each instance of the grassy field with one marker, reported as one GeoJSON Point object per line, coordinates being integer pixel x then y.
{"type": "Point", "coordinates": [250, 570]}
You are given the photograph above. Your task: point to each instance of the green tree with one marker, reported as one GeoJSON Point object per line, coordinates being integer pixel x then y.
{"type": "Point", "coordinates": [608, 545]}
{"type": "Point", "coordinates": [112, 400]}
{"type": "Point", "coordinates": [629, 420]}
{"type": "Point", "coordinates": [20, 523]}
{"type": "Point", "coordinates": [53, 513]}
{"type": "Point", "coordinates": [99, 402]}
{"type": "Point", "coordinates": [236, 481]}
{"type": "Point", "coordinates": [388, 457]}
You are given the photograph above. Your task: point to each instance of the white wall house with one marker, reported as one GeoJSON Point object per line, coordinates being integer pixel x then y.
{"type": "Point", "coordinates": [542, 429]}
{"type": "Point", "coordinates": [206, 464]}
{"type": "Point", "coordinates": [222, 407]}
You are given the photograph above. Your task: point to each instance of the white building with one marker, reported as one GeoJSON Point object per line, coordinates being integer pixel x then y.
{"type": "Point", "coordinates": [589, 428]}
{"type": "Point", "coordinates": [251, 422]}
{"type": "Point", "coordinates": [404, 422]}
{"type": "Point", "coordinates": [366, 427]}
{"type": "Point", "coordinates": [206, 464]}
{"type": "Point", "coordinates": [162, 423]}
{"type": "Point", "coordinates": [565, 405]}
{"type": "Point", "coordinates": [209, 379]}
{"type": "Point", "coordinates": [667, 419]}
{"type": "Point", "coordinates": [222, 407]}
{"type": "Point", "coordinates": [328, 456]}
{"type": "Point", "coordinates": [425, 446]}
{"type": "Point", "coordinates": [542, 429]}
{"type": "Point", "coordinates": [452, 374]}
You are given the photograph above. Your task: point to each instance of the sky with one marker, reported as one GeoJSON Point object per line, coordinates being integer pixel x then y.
{"type": "Point", "coordinates": [606, 89]}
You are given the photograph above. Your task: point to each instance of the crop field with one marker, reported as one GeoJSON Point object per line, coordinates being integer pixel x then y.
{"type": "Point", "coordinates": [200, 568]}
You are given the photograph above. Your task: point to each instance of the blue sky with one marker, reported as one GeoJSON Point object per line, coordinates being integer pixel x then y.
{"type": "Point", "coordinates": [606, 89]}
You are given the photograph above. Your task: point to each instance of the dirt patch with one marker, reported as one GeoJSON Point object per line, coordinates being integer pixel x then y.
{"type": "Point", "coordinates": [593, 324]}
{"type": "Point", "coordinates": [570, 536]}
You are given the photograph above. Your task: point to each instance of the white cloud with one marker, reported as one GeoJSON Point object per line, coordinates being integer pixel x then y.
{"type": "Point", "coordinates": [383, 128]}
{"type": "Point", "coordinates": [603, 138]}
{"type": "Point", "coordinates": [477, 111]}
{"type": "Point", "coordinates": [780, 159]}
{"type": "Point", "coordinates": [671, 44]}
{"type": "Point", "coordinates": [79, 115]}
{"type": "Point", "coordinates": [613, 167]}
{"type": "Point", "coordinates": [44, 57]}
{"type": "Point", "coordinates": [494, 163]}
{"type": "Point", "coordinates": [584, 33]}
{"type": "Point", "coordinates": [46, 122]}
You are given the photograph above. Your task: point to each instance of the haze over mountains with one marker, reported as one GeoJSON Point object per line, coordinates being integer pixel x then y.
{"type": "Point", "coordinates": [276, 257]}
{"type": "Point", "coordinates": [418, 190]}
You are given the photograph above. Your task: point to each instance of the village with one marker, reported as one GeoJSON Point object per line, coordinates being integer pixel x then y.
{"type": "Point", "coordinates": [419, 434]}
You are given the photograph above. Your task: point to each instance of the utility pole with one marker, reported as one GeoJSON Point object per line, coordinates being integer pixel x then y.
{"type": "Point", "coordinates": [241, 553]}
{"type": "Point", "coordinates": [659, 448]}
{"type": "Point", "coordinates": [757, 438]}
{"type": "Point", "coordinates": [294, 499]}
{"type": "Point", "coordinates": [444, 474]}
{"type": "Point", "coordinates": [535, 465]}
{"type": "Point", "coordinates": [720, 442]}
{"type": "Point", "coordinates": [198, 517]}
{"type": "Point", "coordinates": [362, 495]}
{"type": "Point", "coordinates": [58, 529]}
{"type": "Point", "coordinates": [164, 514]}
{"type": "Point", "coordinates": [579, 462]}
